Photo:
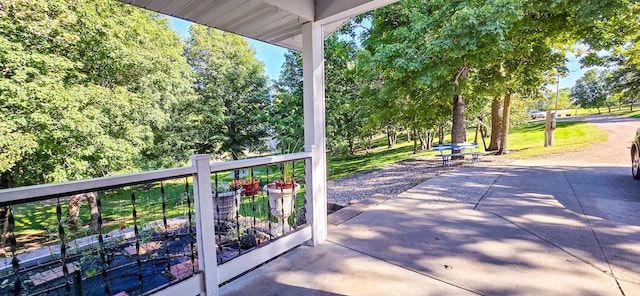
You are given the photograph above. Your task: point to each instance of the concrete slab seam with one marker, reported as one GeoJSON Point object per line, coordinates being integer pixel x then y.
{"type": "Point", "coordinates": [553, 244]}
{"type": "Point", "coordinates": [489, 189]}
{"type": "Point", "coordinates": [405, 267]}
{"type": "Point", "coordinates": [595, 236]}
{"type": "Point", "coordinates": [360, 208]}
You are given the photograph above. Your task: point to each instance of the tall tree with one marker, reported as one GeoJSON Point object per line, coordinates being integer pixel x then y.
{"type": "Point", "coordinates": [624, 33]}
{"type": "Point", "coordinates": [233, 93]}
{"type": "Point", "coordinates": [87, 89]}
{"type": "Point", "coordinates": [287, 116]}
{"type": "Point", "coordinates": [591, 90]}
{"type": "Point", "coordinates": [345, 108]}
{"type": "Point", "coordinates": [84, 87]}
{"type": "Point", "coordinates": [625, 80]}
{"type": "Point", "coordinates": [473, 48]}
{"type": "Point", "coordinates": [438, 46]}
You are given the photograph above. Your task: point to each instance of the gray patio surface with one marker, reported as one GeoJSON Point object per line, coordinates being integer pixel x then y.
{"type": "Point", "coordinates": [525, 229]}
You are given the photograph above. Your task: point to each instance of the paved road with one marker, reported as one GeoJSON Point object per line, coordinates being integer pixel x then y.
{"type": "Point", "coordinates": [614, 151]}
{"type": "Point", "coordinates": [591, 188]}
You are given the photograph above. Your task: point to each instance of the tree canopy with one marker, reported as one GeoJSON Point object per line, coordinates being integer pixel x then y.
{"type": "Point", "coordinates": [84, 95]}
{"type": "Point", "coordinates": [96, 87]}
{"type": "Point", "coordinates": [591, 90]}
{"type": "Point", "coordinates": [230, 112]}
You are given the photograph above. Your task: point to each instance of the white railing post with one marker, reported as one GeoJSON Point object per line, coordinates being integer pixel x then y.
{"type": "Point", "coordinates": [314, 128]}
{"type": "Point", "coordinates": [316, 207]}
{"type": "Point", "coordinates": [205, 228]}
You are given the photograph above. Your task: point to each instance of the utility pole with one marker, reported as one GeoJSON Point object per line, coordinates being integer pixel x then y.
{"type": "Point", "coordinates": [550, 122]}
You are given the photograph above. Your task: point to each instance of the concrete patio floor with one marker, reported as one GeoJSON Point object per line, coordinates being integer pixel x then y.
{"type": "Point", "coordinates": [524, 229]}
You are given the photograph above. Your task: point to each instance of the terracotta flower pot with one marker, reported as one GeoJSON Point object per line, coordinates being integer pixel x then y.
{"type": "Point", "coordinates": [284, 185]}
{"type": "Point", "coordinates": [250, 188]}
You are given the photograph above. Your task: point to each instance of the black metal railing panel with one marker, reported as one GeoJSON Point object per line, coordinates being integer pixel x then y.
{"type": "Point", "coordinates": [133, 239]}
{"type": "Point", "coordinates": [137, 233]}
{"type": "Point", "coordinates": [256, 205]}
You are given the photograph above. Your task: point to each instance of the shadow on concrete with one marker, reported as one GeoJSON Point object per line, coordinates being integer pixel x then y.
{"type": "Point", "coordinates": [589, 212]}
{"type": "Point", "coordinates": [483, 230]}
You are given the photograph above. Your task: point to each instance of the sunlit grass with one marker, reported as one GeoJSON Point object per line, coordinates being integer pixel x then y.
{"type": "Point", "coordinates": [338, 167]}
{"type": "Point", "coordinates": [626, 111]}
{"type": "Point", "coordinates": [528, 141]}
{"type": "Point", "coordinates": [524, 141]}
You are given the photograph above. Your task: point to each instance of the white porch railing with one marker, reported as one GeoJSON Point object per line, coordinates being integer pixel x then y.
{"type": "Point", "coordinates": [210, 274]}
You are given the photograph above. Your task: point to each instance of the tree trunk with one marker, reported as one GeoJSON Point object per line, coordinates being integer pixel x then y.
{"type": "Point", "coordinates": [631, 106]}
{"type": "Point", "coordinates": [496, 125]}
{"type": "Point", "coordinates": [457, 130]}
{"type": "Point", "coordinates": [4, 219]}
{"type": "Point", "coordinates": [73, 211]}
{"type": "Point", "coordinates": [352, 149]}
{"type": "Point", "coordinates": [608, 107]}
{"type": "Point", "coordinates": [441, 134]}
{"type": "Point", "coordinates": [483, 133]}
{"type": "Point", "coordinates": [505, 124]}
{"type": "Point", "coordinates": [424, 140]}
{"type": "Point", "coordinates": [92, 202]}
{"type": "Point", "coordinates": [475, 139]}
{"type": "Point", "coordinates": [391, 137]}
{"type": "Point", "coordinates": [415, 142]}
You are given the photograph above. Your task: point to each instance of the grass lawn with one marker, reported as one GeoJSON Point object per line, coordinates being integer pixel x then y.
{"type": "Point", "coordinates": [528, 140]}
{"type": "Point", "coordinates": [623, 110]}
{"type": "Point", "coordinates": [626, 112]}
{"type": "Point", "coordinates": [36, 222]}
{"type": "Point", "coordinates": [338, 167]}
{"type": "Point", "coordinates": [524, 141]}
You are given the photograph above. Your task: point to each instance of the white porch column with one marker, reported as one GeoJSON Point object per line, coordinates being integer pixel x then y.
{"type": "Point", "coordinates": [314, 128]}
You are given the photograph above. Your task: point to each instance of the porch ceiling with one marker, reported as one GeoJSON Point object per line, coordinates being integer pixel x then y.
{"type": "Point", "coordinates": [277, 22]}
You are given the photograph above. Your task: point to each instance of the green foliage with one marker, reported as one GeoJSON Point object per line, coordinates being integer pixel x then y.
{"type": "Point", "coordinates": [592, 90]}
{"type": "Point", "coordinates": [346, 108]}
{"type": "Point", "coordinates": [420, 53]}
{"type": "Point", "coordinates": [625, 78]}
{"type": "Point", "coordinates": [423, 53]}
{"type": "Point", "coordinates": [625, 81]}
{"type": "Point", "coordinates": [233, 94]}
{"type": "Point", "coordinates": [286, 114]}
{"type": "Point", "coordinates": [86, 89]}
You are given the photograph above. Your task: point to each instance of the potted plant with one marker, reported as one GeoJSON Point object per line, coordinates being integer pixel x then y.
{"type": "Point", "coordinates": [250, 187]}
{"type": "Point", "coordinates": [282, 193]}
{"type": "Point", "coordinates": [287, 181]}
{"type": "Point", "coordinates": [226, 200]}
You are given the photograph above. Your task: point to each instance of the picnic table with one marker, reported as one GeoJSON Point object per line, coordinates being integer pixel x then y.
{"type": "Point", "coordinates": [446, 157]}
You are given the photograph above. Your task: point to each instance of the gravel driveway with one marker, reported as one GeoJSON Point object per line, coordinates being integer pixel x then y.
{"type": "Point", "coordinates": [391, 179]}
